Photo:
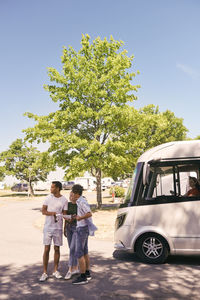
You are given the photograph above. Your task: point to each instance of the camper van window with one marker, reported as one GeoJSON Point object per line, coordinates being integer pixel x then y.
{"type": "Point", "coordinates": [170, 181]}
{"type": "Point", "coordinates": [162, 182]}
{"type": "Point", "coordinates": [131, 195]}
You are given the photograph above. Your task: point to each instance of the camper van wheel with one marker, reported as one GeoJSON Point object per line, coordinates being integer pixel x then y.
{"type": "Point", "coordinates": [152, 248]}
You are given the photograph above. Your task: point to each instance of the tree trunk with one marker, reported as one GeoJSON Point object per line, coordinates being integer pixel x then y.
{"type": "Point", "coordinates": [99, 194]}
{"type": "Point", "coordinates": [31, 191]}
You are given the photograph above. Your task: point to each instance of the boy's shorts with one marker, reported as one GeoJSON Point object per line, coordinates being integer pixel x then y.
{"type": "Point", "coordinates": [53, 234]}
{"type": "Point", "coordinates": [82, 241]}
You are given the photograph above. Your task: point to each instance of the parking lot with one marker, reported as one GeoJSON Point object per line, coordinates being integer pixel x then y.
{"type": "Point", "coordinates": [120, 277]}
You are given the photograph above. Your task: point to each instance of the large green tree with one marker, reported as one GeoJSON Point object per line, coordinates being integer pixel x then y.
{"type": "Point", "coordinates": [95, 128]}
{"type": "Point", "coordinates": [92, 90]}
{"type": "Point", "coordinates": [26, 163]}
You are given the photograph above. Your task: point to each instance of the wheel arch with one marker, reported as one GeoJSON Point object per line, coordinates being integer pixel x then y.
{"type": "Point", "coordinates": [143, 232]}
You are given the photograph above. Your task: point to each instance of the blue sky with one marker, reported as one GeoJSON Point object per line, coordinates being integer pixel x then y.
{"type": "Point", "coordinates": [163, 36]}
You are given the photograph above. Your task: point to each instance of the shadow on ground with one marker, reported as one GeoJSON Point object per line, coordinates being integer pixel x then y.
{"type": "Point", "coordinates": [120, 278]}
{"type": "Point", "coordinates": [22, 195]}
{"type": "Point", "coordinates": [105, 206]}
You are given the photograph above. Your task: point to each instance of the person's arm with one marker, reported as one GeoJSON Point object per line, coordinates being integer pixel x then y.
{"type": "Point", "coordinates": [47, 213]}
{"type": "Point", "coordinates": [65, 223]}
{"type": "Point", "coordinates": [86, 216]}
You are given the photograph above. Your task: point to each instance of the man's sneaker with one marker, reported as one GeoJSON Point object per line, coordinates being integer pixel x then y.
{"type": "Point", "coordinates": [80, 280]}
{"type": "Point", "coordinates": [43, 277]}
{"type": "Point", "coordinates": [57, 275]}
{"type": "Point", "coordinates": [88, 275]}
{"type": "Point", "coordinates": [68, 275]}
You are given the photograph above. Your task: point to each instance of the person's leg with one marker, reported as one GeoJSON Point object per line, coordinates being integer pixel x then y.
{"type": "Point", "coordinates": [56, 257]}
{"type": "Point", "coordinates": [87, 261]}
{"type": "Point", "coordinates": [82, 264]}
{"type": "Point", "coordinates": [57, 239]}
{"type": "Point", "coordinates": [69, 239]}
{"type": "Point", "coordinates": [47, 237]}
{"type": "Point", "coordinates": [74, 260]}
{"type": "Point", "coordinates": [84, 260]}
{"type": "Point", "coordinates": [81, 240]}
{"type": "Point", "coordinates": [46, 257]}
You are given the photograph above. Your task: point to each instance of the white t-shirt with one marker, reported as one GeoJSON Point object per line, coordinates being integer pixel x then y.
{"type": "Point", "coordinates": [54, 204]}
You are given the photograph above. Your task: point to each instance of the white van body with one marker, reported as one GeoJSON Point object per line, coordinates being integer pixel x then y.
{"type": "Point", "coordinates": [107, 181]}
{"type": "Point", "coordinates": [2, 185]}
{"type": "Point", "coordinates": [41, 186]}
{"type": "Point", "coordinates": [88, 183]}
{"type": "Point", "coordinates": [157, 217]}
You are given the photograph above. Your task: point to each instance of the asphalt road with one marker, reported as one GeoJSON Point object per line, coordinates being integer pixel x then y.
{"type": "Point", "coordinates": [121, 277]}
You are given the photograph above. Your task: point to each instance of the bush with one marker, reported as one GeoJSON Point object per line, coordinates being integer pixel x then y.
{"type": "Point", "coordinates": [119, 191]}
{"type": "Point", "coordinates": [7, 187]}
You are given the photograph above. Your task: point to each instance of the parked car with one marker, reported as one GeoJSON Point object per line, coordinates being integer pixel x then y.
{"type": "Point", "coordinates": [67, 185]}
{"type": "Point", "coordinates": [20, 187]}
{"type": "Point", "coordinates": [107, 182]}
{"type": "Point", "coordinates": [103, 187]}
{"type": "Point", "coordinates": [119, 183]}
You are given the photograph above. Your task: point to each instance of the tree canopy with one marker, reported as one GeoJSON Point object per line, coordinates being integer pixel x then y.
{"type": "Point", "coordinates": [26, 162]}
{"type": "Point", "coordinates": [92, 90]}
{"type": "Point", "coordinates": [95, 127]}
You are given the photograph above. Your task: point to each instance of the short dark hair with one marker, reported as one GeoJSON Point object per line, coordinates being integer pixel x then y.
{"type": "Point", "coordinates": [77, 189]}
{"type": "Point", "coordinates": [58, 184]}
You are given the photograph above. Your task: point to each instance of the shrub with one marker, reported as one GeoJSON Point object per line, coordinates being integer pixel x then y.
{"type": "Point", "coordinates": [119, 191]}
{"type": "Point", "coordinates": [6, 187]}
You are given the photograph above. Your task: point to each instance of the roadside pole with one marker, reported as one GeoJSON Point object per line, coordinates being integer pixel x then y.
{"type": "Point", "coordinates": [113, 195]}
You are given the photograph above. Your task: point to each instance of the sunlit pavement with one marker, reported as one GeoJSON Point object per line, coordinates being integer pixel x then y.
{"type": "Point", "coordinates": [119, 277]}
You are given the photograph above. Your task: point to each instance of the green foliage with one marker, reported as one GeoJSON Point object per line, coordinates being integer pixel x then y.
{"type": "Point", "coordinates": [26, 162]}
{"type": "Point", "coordinates": [95, 128]}
{"type": "Point", "coordinates": [2, 173]}
{"type": "Point", "coordinates": [118, 190]}
{"type": "Point", "coordinates": [6, 187]}
{"type": "Point", "coordinates": [92, 91]}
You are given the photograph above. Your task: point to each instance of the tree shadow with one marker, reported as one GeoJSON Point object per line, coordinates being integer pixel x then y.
{"type": "Point", "coordinates": [172, 259]}
{"type": "Point", "coordinates": [113, 206]}
{"type": "Point", "coordinates": [15, 195]}
{"type": "Point", "coordinates": [22, 195]}
{"type": "Point", "coordinates": [122, 278]}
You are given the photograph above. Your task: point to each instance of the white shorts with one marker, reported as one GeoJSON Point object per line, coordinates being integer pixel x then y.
{"type": "Point", "coordinates": [53, 234]}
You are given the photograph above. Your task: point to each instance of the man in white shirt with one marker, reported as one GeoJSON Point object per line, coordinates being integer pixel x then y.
{"type": "Point", "coordinates": [54, 205]}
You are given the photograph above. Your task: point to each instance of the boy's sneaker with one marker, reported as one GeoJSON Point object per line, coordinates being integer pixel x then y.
{"type": "Point", "coordinates": [57, 275]}
{"type": "Point", "coordinates": [68, 275]}
{"type": "Point", "coordinates": [88, 275]}
{"type": "Point", "coordinates": [43, 277]}
{"type": "Point", "coordinates": [80, 280]}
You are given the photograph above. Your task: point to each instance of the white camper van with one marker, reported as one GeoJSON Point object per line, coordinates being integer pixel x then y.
{"type": "Point", "coordinates": [88, 183]}
{"type": "Point", "coordinates": [41, 186]}
{"type": "Point", "coordinates": [158, 217]}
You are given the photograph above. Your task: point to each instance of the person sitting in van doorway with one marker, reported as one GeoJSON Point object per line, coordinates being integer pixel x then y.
{"type": "Point", "coordinates": [195, 187]}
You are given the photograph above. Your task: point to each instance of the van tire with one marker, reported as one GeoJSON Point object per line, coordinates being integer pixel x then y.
{"type": "Point", "coordinates": [152, 248]}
